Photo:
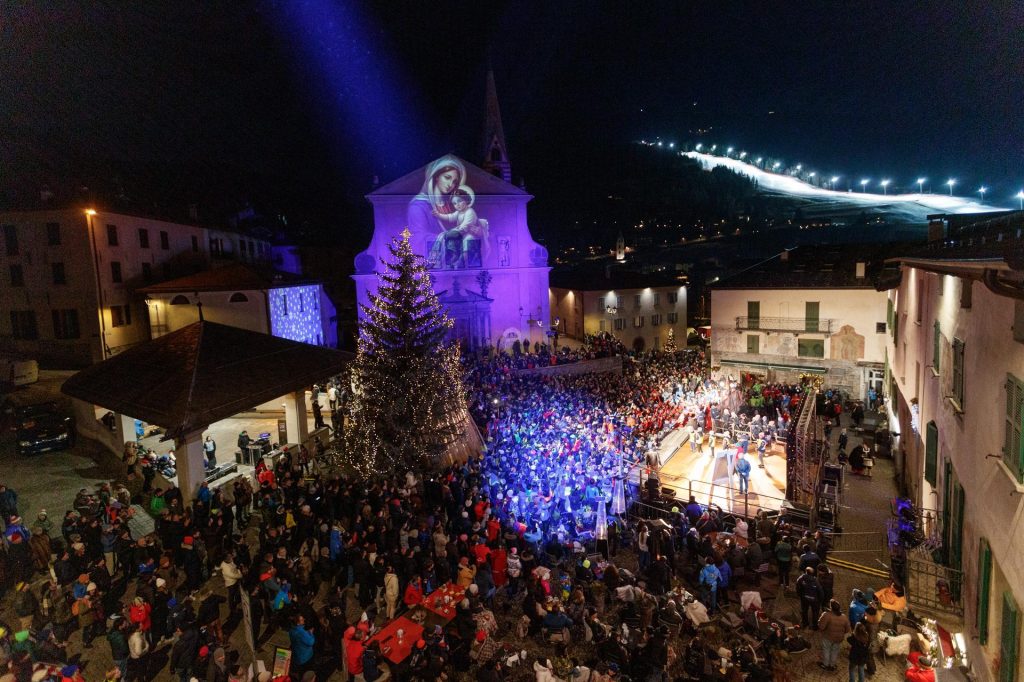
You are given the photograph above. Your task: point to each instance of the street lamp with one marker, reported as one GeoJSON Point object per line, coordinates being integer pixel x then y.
{"type": "Point", "coordinates": [884, 184]}
{"type": "Point", "coordinates": [697, 148]}
{"type": "Point", "coordinates": [1020, 197]}
{"type": "Point", "coordinates": [776, 165]}
{"type": "Point", "coordinates": [951, 182]}
{"type": "Point", "coordinates": [728, 151]}
{"type": "Point", "coordinates": [981, 191]}
{"type": "Point", "coordinates": [864, 183]}
{"type": "Point", "coordinates": [835, 179]}
{"type": "Point", "coordinates": [759, 159]}
{"type": "Point", "coordinates": [920, 185]}
{"type": "Point", "coordinates": [743, 154]}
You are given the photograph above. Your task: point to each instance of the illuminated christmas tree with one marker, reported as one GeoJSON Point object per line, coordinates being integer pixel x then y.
{"type": "Point", "coordinates": [670, 342]}
{"type": "Point", "coordinates": [408, 400]}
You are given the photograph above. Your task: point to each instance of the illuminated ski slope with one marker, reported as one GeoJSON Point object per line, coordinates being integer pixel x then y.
{"type": "Point", "coordinates": [787, 184]}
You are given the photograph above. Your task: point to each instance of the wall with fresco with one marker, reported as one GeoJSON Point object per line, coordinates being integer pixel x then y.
{"type": "Point", "coordinates": [471, 228]}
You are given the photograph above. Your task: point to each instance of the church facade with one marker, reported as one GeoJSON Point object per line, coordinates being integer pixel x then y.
{"type": "Point", "coordinates": [471, 228]}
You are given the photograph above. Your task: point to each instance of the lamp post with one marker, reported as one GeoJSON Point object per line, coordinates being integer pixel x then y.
{"type": "Point", "coordinates": [920, 185]}
{"type": "Point", "coordinates": [864, 183]}
{"type": "Point", "coordinates": [1020, 197]}
{"type": "Point", "coordinates": [885, 185]}
{"type": "Point", "coordinates": [981, 191]}
{"type": "Point", "coordinates": [951, 182]}
{"type": "Point", "coordinates": [835, 179]}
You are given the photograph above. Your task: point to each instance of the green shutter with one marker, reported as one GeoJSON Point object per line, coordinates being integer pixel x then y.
{"type": "Point", "coordinates": [936, 347]}
{"type": "Point", "coordinates": [984, 586]}
{"type": "Point", "coordinates": [1008, 640]}
{"type": "Point", "coordinates": [947, 508]}
{"type": "Point", "coordinates": [812, 315]}
{"type": "Point", "coordinates": [931, 453]}
{"type": "Point", "coordinates": [1013, 442]}
{"type": "Point", "coordinates": [753, 344]}
{"type": "Point", "coordinates": [956, 557]}
{"type": "Point", "coordinates": [754, 314]}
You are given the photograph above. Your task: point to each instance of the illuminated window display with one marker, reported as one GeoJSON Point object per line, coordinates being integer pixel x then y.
{"type": "Point", "coordinates": [295, 314]}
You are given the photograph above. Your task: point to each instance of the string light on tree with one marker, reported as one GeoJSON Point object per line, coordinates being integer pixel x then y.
{"type": "Point", "coordinates": [408, 398]}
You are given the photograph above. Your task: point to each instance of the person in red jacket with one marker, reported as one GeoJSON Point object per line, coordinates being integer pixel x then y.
{"type": "Point", "coordinates": [920, 669]}
{"type": "Point", "coordinates": [139, 613]}
{"type": "Point", "coordinates": [353, 640]}
{"type": "Point", "coordinates": [499, 566]}
{"type": "Point", "coordinates": [413, 592]}
{"type": "Point", "coordinates": [493, 529]}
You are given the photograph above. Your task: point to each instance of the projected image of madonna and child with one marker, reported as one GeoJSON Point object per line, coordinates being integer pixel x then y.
{"type": "Point", "coordinates": [444, 208]}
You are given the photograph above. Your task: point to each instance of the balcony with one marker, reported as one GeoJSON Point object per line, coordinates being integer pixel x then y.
{"type": "Point", "coordinates": [792, 325]}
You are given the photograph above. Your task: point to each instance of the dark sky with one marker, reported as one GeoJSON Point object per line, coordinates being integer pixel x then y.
{"type": "Point", "coordinates": [306, 100]}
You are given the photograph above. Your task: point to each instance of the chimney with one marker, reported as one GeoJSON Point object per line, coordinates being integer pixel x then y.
{"type": "Point", "coordinates": [861, 266]}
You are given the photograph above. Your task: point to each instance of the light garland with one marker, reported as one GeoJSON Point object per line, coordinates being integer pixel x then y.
{"type": "Point", "coordinates": [407, 379]}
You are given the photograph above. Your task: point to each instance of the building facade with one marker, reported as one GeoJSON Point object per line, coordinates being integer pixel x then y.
{"type": "Point", "coordinates": [471, 229]}
{"type": "Point", "coordinates": [956, 398]}
{"type": "Point", "coordinates": [71, 279]}
{"type": "Point", "coordinates": [637, 309]}
{"type": "Point", "coordinates": [282, 304]}
{"type": "Point", "coordinates": [801, 313]}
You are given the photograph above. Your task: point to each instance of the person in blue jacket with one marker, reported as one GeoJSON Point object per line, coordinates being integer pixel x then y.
{"type": "Point", "coordinates": [302, 642]}
{"type": "Point", "coordinates": [858, 607]}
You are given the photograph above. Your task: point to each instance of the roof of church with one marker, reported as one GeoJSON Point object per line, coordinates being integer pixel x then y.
{"type": "Point", "coordinates": [202, 373]}
{"type": "Point", "coordinates": [482, 182]}
{"type": "Point", "coordinates": [234, 277]}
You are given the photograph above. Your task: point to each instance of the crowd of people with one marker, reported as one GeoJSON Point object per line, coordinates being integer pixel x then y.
{"type": "Point", "coordinates": [540, 585]}
{"type": "Point", "coordinates": [561, 446]}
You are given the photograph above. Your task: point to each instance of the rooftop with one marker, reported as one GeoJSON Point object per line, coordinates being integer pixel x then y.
{"type": "Point", "coordinates": [613, 277]}
{"type": "Point", "coordinates": [233, 277]}
{"type": "Point", "coordinates": [199, 374]}
{"type": "Point", "coordinates": [815, 267]}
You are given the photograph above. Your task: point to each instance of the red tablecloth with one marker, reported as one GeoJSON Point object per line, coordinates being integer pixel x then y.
{"type": "Point", "coordinates": [394, 650]}
{"type": "Point", "coordinates": [434, 602]}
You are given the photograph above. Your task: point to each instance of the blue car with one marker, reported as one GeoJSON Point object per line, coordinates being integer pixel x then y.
{"type": "Point", "coordinates": [45, 431]}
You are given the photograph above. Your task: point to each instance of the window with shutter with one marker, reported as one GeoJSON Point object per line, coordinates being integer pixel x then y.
{"type": "Point", "coordinates": [936, 348]}
{"type": "Point", "coordinates": [984, 587]}
{"type": "Point", "coordinates": [1008, 645]}
{"type": "Point", "coordinates": [1013, 444]}
{"type": "Point", "coordinates": [958, 373]}
{"type": "Point", "coordinates": [931, 453]}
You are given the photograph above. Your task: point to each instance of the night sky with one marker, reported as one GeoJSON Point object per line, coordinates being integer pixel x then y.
{"type": "Point", "coordinates": [299, 103]}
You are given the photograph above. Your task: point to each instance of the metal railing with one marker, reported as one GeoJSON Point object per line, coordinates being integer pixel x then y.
{"type": "Point", "coordinates": [795, 325]}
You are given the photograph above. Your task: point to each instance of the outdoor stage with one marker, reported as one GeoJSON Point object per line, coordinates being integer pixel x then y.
{"type": "Point", "coordinates": [707, 478]}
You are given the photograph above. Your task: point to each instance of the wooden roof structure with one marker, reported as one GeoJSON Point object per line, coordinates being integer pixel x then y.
{"type": "Point", "coordinates": [199, 374]}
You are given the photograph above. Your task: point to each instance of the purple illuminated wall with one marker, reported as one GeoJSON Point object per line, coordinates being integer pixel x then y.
{"type": "Point", "coordinates": [472, 229]}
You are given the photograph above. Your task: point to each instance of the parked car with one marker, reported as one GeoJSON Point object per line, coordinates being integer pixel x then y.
{"type": "Point", "coordinates": [42, 428]}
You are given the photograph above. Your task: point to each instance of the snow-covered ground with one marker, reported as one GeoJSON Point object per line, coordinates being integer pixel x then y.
{"type": "Point", "coordinates": [917, 204]}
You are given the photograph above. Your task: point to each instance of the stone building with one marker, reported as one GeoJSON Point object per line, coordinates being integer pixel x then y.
{"type": "Point", "coordinates": [955, 385]}
{"type": "Point", "coordinates": [809, 310]}
{"type": "Point", "coordinates": [636, 308]}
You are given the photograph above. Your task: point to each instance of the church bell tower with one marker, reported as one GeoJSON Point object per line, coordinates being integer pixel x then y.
{"type": "Point", "coordinates": [495, 154]}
